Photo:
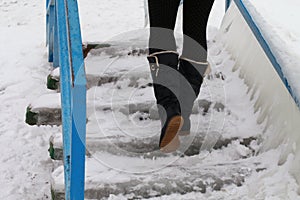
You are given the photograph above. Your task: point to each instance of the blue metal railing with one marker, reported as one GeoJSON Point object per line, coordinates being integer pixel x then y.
{"type": "Point", "coordinates": [227, 4]}
{"type": "Point", "coordinates": [65, 50]}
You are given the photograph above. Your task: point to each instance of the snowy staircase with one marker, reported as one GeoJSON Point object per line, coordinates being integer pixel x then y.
{"type": "Point", "coordinates": [182, 177]}
{"type": "Point", "coordinates": [122, 155]}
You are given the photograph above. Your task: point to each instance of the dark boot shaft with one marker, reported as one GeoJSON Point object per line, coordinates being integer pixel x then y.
{"type": "Point", "coordinates": [163, 67]}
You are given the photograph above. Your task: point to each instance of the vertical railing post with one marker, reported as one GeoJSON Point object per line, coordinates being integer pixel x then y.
{"type": "Point", "coordinates": [50, 30]}
{"type": "Point", "coordinates": [65, 88]}
{"type": "Point", "coordinates": [55, 42]}
{"type": "Point", "coordinates": [227, 4]}
{"type": "Point", "coordinates": [78, 103]}
{"type": "Point", "coordinates": [47, 22]}
{"type": "Point", "coordinates": [65, 50]}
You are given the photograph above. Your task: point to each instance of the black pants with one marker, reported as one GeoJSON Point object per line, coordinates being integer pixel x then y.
{"type": "Point", "coordinates": [163, 15]}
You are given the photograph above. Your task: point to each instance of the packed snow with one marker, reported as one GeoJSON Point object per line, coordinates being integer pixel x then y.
{"type": "Point", "coordinates": [281, 29]}
{"type": "Point", "coordinates": [25, 164]}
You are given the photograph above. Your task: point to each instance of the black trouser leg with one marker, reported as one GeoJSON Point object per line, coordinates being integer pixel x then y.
{"type": "Point", "coordinates": [162, 15]}
{"type": "Point", "coordinates": [192, 63]}
{"type": "Point", "coordinates": [163, 61]}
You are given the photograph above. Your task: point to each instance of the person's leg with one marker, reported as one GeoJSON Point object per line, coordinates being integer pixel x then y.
{"type": "Point", "coordinates": [193, 61]}
{"type": "Point", "coordinates": [162, 16]}
{"type": "Point", "coordinates": [195, 17]}
{"type": "Point", "coordinates": [163, 59]}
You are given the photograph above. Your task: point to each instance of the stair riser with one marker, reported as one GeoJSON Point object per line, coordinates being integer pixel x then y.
{"type": "Point", "coordinates": [136, 189]}
{"type": "Point", "coordinates": [146, 148]}
{"type": "Point", "coordinates": [52, 116]}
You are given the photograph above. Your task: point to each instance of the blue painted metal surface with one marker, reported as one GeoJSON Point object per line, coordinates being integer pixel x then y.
{"type": "Point", "coordinates": [227, 4]}
{"type": "Point", "coordinates": [251, 23]}
{"type": "Point", "coordinates": [64, 37]}
{"type": "Point", "coordinates": [55, 42]}
{"type": "Point", "coordinates": [50, 32]}
{"type": "Point", "coordinates": [65, 87]}
{"type": "Point", "coordinates": [47, 22]}
{"type": "Point", "coordinates": [78, 142]}
{"type": "Point", "coordinates": [78, 101]}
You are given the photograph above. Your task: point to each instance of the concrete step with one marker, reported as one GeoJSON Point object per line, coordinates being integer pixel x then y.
{"type": "Point", "coordinates": [146, 148]}
{"type": "Point", "coordinates": [110, 62]}
{"type": "Point", "coordinates": [107, 63]}
{"type": "Point", "coordinates": [130, 93]}
{"type": "Point", "coordinates": [137, 178]}
{"type": "Point", "coordinates": [46, 110]}
{"type": "Point", "coordinates": [113, 78]}
{"type": "Point", "coordinates": [122, 137]}
{"type": "Point", "coordinates": [132, 130]}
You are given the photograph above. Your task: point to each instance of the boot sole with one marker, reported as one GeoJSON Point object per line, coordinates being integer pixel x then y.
{"type": "Point", "coordinates": [184, 133]}
{"type": "Point", "coordinates": [170, 142]}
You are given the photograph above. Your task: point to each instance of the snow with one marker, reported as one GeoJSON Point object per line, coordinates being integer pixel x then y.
{"type": "Point", "coordinates": [278, 112]}
{"type": "Point", "coordinates": [281, 30]}
{"type": "Point", "coordinates": [25, 164]}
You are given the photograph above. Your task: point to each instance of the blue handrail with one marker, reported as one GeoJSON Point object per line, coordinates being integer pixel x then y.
{"type": "Point", "coordinates": [65, 50]}
{"type": "Point", "coordinates": [227, 4]}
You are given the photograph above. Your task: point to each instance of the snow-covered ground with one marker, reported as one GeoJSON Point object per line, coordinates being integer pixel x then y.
{"type": "Point", "coordinates": [25, 165]}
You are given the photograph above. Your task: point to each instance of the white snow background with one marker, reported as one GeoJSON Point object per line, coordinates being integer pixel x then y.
{"type": "Point", "coordinates": [25, 165]}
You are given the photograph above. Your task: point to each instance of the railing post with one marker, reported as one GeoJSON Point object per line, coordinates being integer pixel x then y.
{"type": "Point", "coordinates": [65, 50]}
{"type": "Point", "coordinates": [78, 103]}
{"type": "Point", "coordinates": [50, 30]}
{"type": "Point", "coordinates": [47, 23]}
{"type": "Point", "coordinates": [55, 42]}
{"type": "Point", "coordinates": [227, 4]}
{"type": "Point", "coordinates": [65, 87]}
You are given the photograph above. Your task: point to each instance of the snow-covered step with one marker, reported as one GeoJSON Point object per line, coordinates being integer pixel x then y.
{"type": "Point", "coordinates": [108, 63]}
{"type": "Point", "coordinates": [112, 62]}
{"type": "Point", "coordinates": [122, 154]}
{"type": "Point", "coordinates": [137, 178]}
{"type": "Point", "coordinates": [109, 130]}
{"type": "Point", "coordinates": [98, 78]}
{"type": "Point", "coordinates": [120, 46]}
{"type": "Point", "coordinates": [147, 147]}
{"type": "Point", "coordinates": [46, 110]}
{"type": "Point", "coordinates": [130, 93]}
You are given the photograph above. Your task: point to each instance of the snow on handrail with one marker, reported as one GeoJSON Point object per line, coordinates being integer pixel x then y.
{"type": "Point", "coordinates": [275, 104]}
{"type": "Point", "coordinates": [255, 29]}
{"type": "Point", "coordinates": [65, 50]}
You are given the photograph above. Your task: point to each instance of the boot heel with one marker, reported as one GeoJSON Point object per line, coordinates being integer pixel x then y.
{"type": "Point", "coordinates": [170, 141]}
